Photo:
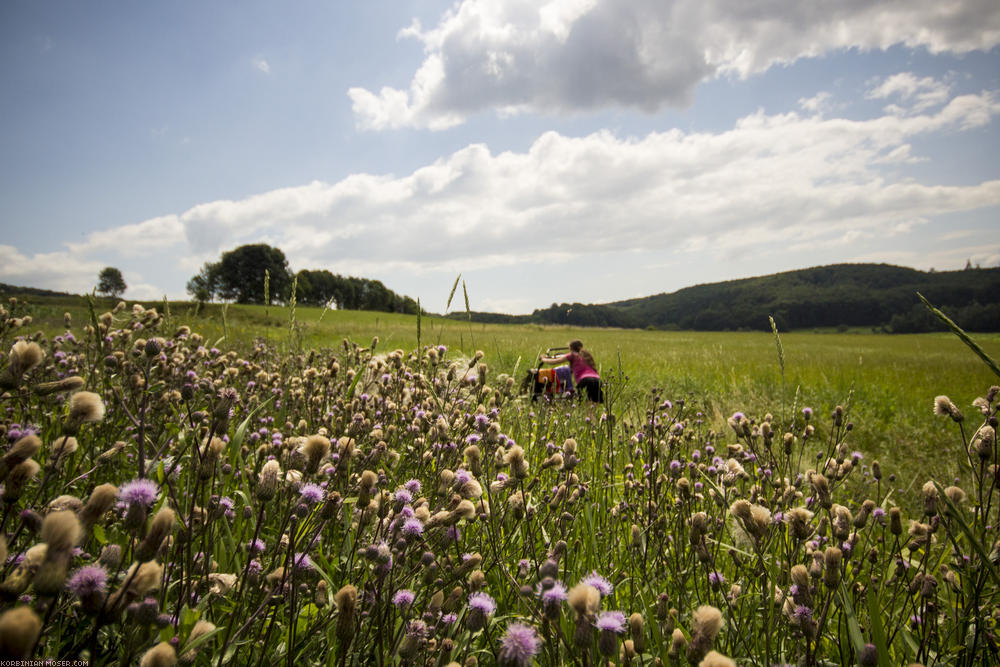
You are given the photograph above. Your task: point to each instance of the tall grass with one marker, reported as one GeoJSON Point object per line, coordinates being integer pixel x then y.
{"type": "Point", "coordinates": [241, 501]}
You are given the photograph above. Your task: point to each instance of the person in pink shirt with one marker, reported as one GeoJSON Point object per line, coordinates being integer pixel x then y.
{"type": "Point", "coordinates": [582, 363]}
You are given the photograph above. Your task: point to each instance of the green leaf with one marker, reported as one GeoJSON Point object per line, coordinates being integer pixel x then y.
{"type": "Point", "coordinates": [853, 627]}
{"type": "Point", "coordinates": [306, 615]}
{"type": "Point", "coordinates": [878, 632]}
{"type": "Point", "coordinates": [99, 535]}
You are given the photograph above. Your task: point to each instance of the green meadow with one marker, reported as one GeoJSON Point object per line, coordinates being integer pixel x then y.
{"type": "Point", "coordinates": [886, 382]}
{"type": "Point", "coordinates": [233, 485]}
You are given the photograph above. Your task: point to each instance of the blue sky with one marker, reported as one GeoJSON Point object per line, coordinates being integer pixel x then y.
{"type": "Point", "coordinates": [569, 150]}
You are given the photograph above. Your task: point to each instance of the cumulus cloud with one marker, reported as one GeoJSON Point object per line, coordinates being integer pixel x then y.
{"type": "Point", "coordinates": [795, 180]}
{"type": "Point", "coordinates": [261, 65]}
{"type": "Point", "coordinates": [567, 55]}
{"type": "Point", "coordinates": [786, 177]}
{"type": "Point", "coordinates": [921, 94]}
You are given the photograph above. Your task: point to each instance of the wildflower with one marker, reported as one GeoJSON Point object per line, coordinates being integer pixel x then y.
{"type": "Point", "coordinates": [161, 655]}
{"type": "Point", "coordinates": [678, 642]}
{"type": "Point", "coordinates": [519, 645]}
{"type": "Point", "coordinates": [301, 562]}
{"type": "Point", "coordinates": [267, 482]}
{"type": "Point", "coordinates": [161, 527]}
{"type": "Point", "coordinates": [202, 627]}
{"type": "Point", "coordinates": [584, 599]}
{"type": "Point", "coordinates": [139, 492]}
{"type": "Point", "coordinates": [19, 628]}
{"type": "Point", "coordinates": [311, 493]}
{"type": "Point", "coordinates": [84, 407]}
{"type": "Point", "coordinates": [613, 621]}
{"type": "Point", "coordinates": [609, 624]}
{"type": "Point", "coordinates": [943, 406]}
{"type": "Point", "coordinates": [60, 531]}
{"type": "Point", "coordinates": [716, 659]}
{"type": "Point", "coordinates": [315, 448]}
{"type": "Point", "coordinates": [552, 599]}
{"type": "Point", "coordinates": [602, 585]}
{"type": "Point", "coordinates": [413, 527]}
{"type": "Point", "coordinates": [22, 450]}
{"type": "Point", "coordinates": [403, 598]}
{"type": "Point", "coordinates": [346, 600]}
{"type": "Point", "coordinates": [706, 624]}
{"type": "Point", "coordinates": [481, 607]}
{"type": "Point", "coordinates": [868, 656]}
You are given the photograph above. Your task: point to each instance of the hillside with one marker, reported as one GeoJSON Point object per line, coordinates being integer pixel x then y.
{"type": "Point", "coordinates": [877, 296]}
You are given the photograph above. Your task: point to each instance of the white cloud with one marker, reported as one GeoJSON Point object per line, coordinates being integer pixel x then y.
{"type": "Point", "coordinates": [921, 94]}
{"type": "Point", "coordinates": [52, 270]}
{"type": "Point", "coordinates": [568, 55]}
{"type": "Point", "coordinates": [262, 65]}
{"type": "Point", "coordinates": [153, 236]}
{"type": "Point", "coordinates": [817, 103]}
{"type": "Point", "coordinates": [779, 178]}
{"type": "Point", "coordinates": [770, 184]}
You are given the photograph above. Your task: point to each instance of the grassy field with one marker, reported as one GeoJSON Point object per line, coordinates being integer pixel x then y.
{"type": "Point", "coordinates": [245, 485]}
{"type": "Point", "coordinates": [887, 382]}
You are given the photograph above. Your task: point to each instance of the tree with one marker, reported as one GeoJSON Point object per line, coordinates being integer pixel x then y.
{"type": "Point", "coordinates": [204, 286]}
{"type": "Point", "coordinates": [241, 273]}
{"type": "Point", "coordinates": [110, 282]}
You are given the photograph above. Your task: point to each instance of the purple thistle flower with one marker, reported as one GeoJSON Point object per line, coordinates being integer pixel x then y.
{"type": "Point", "coordinates": [557, 593]}
{"type": "Point", "coordinates": [519, 645]}
{"type": "Point", "coordinates": [802, 613]}
{"type": "Point", "coordinates": [602, 585]}
{"type": "Point", "coordinates": [462, 476]}
{"type": "Point", "coordinates": [413, 527]}
{"type": "Point", "coordinates": [139, 491]}
{"type": "Point", "coordinates": [403, 598]}
{"type": "Point", "coordinates": [483, 603]}
{"type": "Point", "coordinates": [807, 413]}
{"type": "Point", "coordinates": [448, 619]}
{"type": "Point", "coordinates": [402, 496]}
{"type": "Point", "coordinates": [302, 561]}
{"type": "Point", "coordinates": [311, 493]}
{"type": "Point", "coordinates": [611, 620]}
{"type": "Point", "coordinates": [715, 579]}
{"type": "Point", "coordinates": [417, 628]}
{"type": "Point", "coordinates": [257, 546]}
{"type": "Point", "coordinates": [88, 580]}
{"type": "Point", "coordinates": [413, 486]}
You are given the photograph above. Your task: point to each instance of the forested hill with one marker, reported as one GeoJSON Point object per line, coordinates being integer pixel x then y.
{"type": "Point", "coordinates": [879, 296]}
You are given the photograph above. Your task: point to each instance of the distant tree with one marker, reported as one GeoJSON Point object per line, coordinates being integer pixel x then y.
{"type": "Point", "coordinates": [241, 273]}
{"type": "Point", "coordinates": [110, 282]}
{"type": "Point", "coordinates": [205, 286]}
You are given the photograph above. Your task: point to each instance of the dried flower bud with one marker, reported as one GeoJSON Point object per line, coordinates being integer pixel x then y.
{"type": "Point", "coordinates": [100, 501]}
{"type": "Point", "coordinates": [19, 629]}
{"type": "Point", "coordinates": [62, 386]}
{"type": "Point", "coordinates": [161, 655]}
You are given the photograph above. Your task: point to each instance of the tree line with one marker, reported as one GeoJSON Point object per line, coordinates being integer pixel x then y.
{"type": "Point", "coordinates": [876, 296]}
{"type": "Point", "coordinates": [259, 273]}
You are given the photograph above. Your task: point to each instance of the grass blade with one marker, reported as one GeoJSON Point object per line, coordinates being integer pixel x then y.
{"type": "Point", "coordinates": [957, 330]}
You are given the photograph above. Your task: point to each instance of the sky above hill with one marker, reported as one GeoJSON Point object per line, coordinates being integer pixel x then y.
{"type": "Point", "coordinates": [547, 151]}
